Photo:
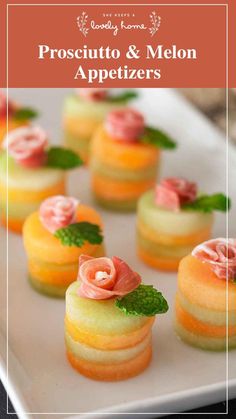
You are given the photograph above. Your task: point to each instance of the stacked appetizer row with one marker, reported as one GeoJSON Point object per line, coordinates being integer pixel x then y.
{"type": "Point", "coordinates": [110, 311]}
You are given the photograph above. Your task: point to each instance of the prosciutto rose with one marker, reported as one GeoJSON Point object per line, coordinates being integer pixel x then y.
{"type": "Point", "coordinates": [57, 212]}
{"type": "Point", "coordinates": [220, 254]}
{"type": "Point", "coordinates": [93, 95]}
{"type": "Point", "coordinates": [103, 278]}
{"type": "Point", "coordinates": [27, 145]}
{"type": "Point", "coordinates": [125, 124]}
{"type": "Point", "coordinates": [173, 192]}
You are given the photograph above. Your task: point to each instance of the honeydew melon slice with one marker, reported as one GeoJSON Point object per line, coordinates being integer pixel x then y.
{"type": "Point", "coordinates": [210, 344]}
{"type": "Point", "coordinates": [161, 250]}
{"type": "Point", "coordinates": [215, 317]}
{"type": "Point", "coordinates": [78, 144]}
{"type": "Point", "coordinates": [27, 179]}
{"type": "Point", "coordinates": [199, 327]}
{"type": "Point", "coordinates": [76, 106]}
{"type": "Point", "coordinates": [122, 174]}
{"type": "Point", "coordinates": [111, 372]}
{"type": "Point", "coordinates": [99, 316]}
{"type": "Point", "coordinates": [166, 221]}
{"type": "Point", "coordinates": [114, 356]}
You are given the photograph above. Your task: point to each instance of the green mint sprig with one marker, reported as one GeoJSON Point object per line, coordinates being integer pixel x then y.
{"type": "Point", "coordinates": [123, 97]}
{"type": "Point", "coordinates": [22, 114]}
{"type": "Point", "coordinates": [155, 137]}
{"type": "Point", "coordinates": [62, 158]}
{"type": "Point", "coordinates": [79, 233]}
{"type": "Point", "coordinates": [209, 203]}
{"type": "Point", "coordinates": [143, 301]}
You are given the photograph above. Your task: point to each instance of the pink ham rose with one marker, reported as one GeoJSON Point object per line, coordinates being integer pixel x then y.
{"type": "Point", "coordinates": [27, 146]}
{"type": "Point", "coordinates": [173, 192]}
{"type": "Point", "coordinates": [57, 212]}
{"type": "Point", "coordinates": [220, 254]}
{"type": "Point", "coordinates": [3, 106]}
{"type": "Point", "coordinates": [125, 124]}
{"type": "Point", "coordinates": [103, 278]}
{"type": "Point", "coordinates": [93, 95]}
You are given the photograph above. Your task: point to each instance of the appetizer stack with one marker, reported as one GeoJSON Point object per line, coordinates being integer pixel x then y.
{"type": "Point", "coordinates": [172, 219]}
{"type": "Point", "coordinates": [206, 296]}
{"type": "Point", "coordinates": [55, 237]}
{"type": "Point", "coordinates": [84, 111]}
{"type": "Point", "coordinates": [110, 312]}
{"type": "Point", "coordinates": [109, 317]}
{"type": "Point", "coordinates": [125, 158]}
{"type": "Point", "coordinates": [30, 171]}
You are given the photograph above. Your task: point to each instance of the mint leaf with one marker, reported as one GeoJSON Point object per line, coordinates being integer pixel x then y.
{"type": "Point", "coordinates": [123, 97]}
{"type": "Point", "coordinates": [157, 138]}
{"type": "Point", "coordinates": [62, 158]}
{"type": "Point", "coordinates": [143, 301]}
{"type": "Point", "coordinates": [209, 203]}
{"type": "Point", "coordinates": [79, 233]}
{"type": "Point", "coordinates": [22, 114]}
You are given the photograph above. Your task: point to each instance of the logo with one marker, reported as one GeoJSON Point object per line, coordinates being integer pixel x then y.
{"type": "Point", "coordinates": [85, 24]}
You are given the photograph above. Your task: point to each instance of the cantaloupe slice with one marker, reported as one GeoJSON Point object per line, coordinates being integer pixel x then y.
{"type": "Point", "coordinates": [115, 372]}
{"type": "Point", "coordinates": [57, 274]}
{"type": "Point", "coordinates": [120, 154]}
{"type": "Point", "coordinates": [105, 356]}
{"type": "Point", "coordinates": [202, 342]}
{"type": "Point", "coordinates": [15, 225]}
{"type": "Point", "coordinates": [55, 291]}
{"type": "Point", "coordinates": [41, 244]}
{"type": "Point", "coordinates": [108, 342]}
{"type": "Point", "coordinates": [199, 327]}
{"type": "Point", "coordinates": [162, 264]}
{"type": "Point", "coordinates": [198, 283]}
{"type": "Point", "coordinates": [122, 175]}
{"type": "Point", "coordinates": [119, 190]}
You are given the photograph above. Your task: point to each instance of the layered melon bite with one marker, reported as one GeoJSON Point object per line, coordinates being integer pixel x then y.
{"type": "Point", "coordinates": [125, 157]}
{"type": "Point", "coordinates": [54, 238]}
{"type": "Point", "coordinates": [172, 219]}
{"type": "Point", "coordinates": [17, 115]}
{"type": "Point", "coordinates": [109, 318]}
{"type": "Point", "coordinates": [84, 111]}
{"type": "Point", "coordinates": [30, 171]}
{"type": "Point", "coordinates": [205, 314]}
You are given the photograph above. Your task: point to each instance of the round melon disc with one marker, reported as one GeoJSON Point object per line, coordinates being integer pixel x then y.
{"type": "Point", "coordinates": [164, 221]}
{"type": "Point", "coordinates": [76, 106]}
{"type": "Point", "coordinates": [99, 316]}
{"type": "Point", "coordinates": [23, 178]}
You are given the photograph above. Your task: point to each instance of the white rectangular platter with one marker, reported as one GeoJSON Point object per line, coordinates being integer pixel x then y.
{"type": "Point", "coordinates": [179, 377]}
